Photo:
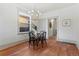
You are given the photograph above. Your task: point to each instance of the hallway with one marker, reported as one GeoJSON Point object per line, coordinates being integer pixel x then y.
{"type": "Point", "coordinates": [53, 48]}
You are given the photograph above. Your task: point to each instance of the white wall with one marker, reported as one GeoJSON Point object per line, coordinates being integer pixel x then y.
{"type": "Point", "coordinates": [67, 34]}
{"type": "Point", "coordinates": [8, 25]}
{"type": "Point", "coordinates": [43, 25]}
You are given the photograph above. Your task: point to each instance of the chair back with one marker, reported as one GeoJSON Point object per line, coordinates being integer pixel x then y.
{"type": "Point", "coordinates": [43, 34]}
{"type": "Point", "coordinates": [31, 34]}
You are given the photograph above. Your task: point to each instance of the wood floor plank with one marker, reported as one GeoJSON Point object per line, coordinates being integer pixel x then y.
{"type": "Point", "coordinates": [53, 48]}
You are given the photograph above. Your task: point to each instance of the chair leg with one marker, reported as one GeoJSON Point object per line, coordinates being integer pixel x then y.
{"type": "Point", "coordinates": [34, 44]}
{"type": "Point", "coordinates": [29, 43]}
{"type": "Point", "coordinates": [42, 43]}
{"type": "Point", "coordinates": [37, 43]}
{"type": "Point", "coordinates": [45, 42]}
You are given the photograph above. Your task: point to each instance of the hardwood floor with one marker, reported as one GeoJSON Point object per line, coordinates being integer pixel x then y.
{"type": "Point", "coordinates": [53, 48]}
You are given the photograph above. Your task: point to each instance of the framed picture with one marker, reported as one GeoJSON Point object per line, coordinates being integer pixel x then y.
{"type": "Point", "coordinates": [66, 22]}
{"type": "Point", "coordinates": [23, 23]}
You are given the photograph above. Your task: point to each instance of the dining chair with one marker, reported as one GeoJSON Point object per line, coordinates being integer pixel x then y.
{"type": "Point", "coordinates": [32, 39]}
{"type": "Point", "coordinates": [43, 37]}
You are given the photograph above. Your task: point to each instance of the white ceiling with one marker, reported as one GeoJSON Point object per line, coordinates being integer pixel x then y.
{"type": "Point", "coordinates": [44, 7]}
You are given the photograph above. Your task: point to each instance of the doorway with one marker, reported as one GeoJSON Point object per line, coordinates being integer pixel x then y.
{"type": "Point", "coordinates": [52, 27]}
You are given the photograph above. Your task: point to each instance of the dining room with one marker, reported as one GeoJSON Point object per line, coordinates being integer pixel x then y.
{"type": "Point", "coordinates": [25, 29]}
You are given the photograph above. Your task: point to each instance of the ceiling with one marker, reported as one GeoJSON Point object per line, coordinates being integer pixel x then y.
{"type": "Point", "coordinates": [44, 7]}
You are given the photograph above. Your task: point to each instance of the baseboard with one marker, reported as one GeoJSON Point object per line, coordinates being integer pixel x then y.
{"type": "Point", "coordinates": [68, 41]}
{"type": "Point", "coordinates": [11, 44]}
{"type": "Point", "coordinates": [77, 44]}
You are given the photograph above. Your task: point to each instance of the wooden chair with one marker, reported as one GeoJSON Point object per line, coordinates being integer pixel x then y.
{"type": "Point", "coordinates": [43, 37]}
{"type": "Point", "coordinates": [32, 39]}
